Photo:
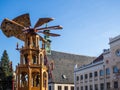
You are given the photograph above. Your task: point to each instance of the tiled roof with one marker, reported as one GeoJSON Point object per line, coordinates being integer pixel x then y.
{"type": "Point", "coordinates": [64, 66]}
{"type": "Point", "coordinates": [96, 61]}
{"type": "Point", "coordinates": [99, 58]}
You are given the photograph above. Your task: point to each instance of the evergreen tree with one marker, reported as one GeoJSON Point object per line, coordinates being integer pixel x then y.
{"type": "Point", "coordinates": [5, 63]}
{"type": "Point", "coordinates": [6, 71]}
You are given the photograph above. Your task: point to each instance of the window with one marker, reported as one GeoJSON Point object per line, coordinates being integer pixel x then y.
{"type": "Point", "coordinates": [101, 72]}
{"type": "Point", "coordinates": [96, 86]}
{"type": "Point", "coordinates": [107, 71]}
{"type": "Point", "coordinates": [33, 42]}
{"type": "Point", "coordinates": [36, 79]}
{"type": "Point", "coordinates": [90, 75]}
{"type": "Point", "coordinates": [115, 84]}
{"type": "Point", "coordinates": [66, 88]}
{"type": "Point", "coordinates": [95, 74]}
{"type": "Point", "coordinates": [59, 88]}
{"type": "Point", "coordinates": [34, 58]}
{"type": "Point", "coordinates": [91, 87]}
{"type": "Point", "coordinates": [72, 88]}
{"type": "Point", "coordinates": [49, 87]}
{"type": "Point", "coordinates": [81, 77]}
{"type": "Point", "coordinates": [64, 77]}
{"type": "Point", "coordinates": [25, 59]}
{"type": "Point", "coordinates": [118, 52]}
{"type": "Point", "coordinates": [86, 76]}
{"type": "Point", "coordinates": [86, 87]}
{"type": "Point", "coordinates": [77, 88]}
{"type": "Point", "coordinates": [23, 79]}
{"type": "Point", "coordinates": [77, 78]}
{"type": "Point", "coordinates": [115, 69]}
{"type": "Point", "coordinates": [101, 86]}
{"type": "Point", "coordinates": [108, 85]}
{"type": "Point", "coordinates": [81, 87]}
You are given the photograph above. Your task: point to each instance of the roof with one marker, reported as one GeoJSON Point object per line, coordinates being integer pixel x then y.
{"type": "Point", "coordinates": [64, 63]}
{"type": "Point", "coordinates": [99, 58]}
{"type": "Point", "coordinates": [96, 61]}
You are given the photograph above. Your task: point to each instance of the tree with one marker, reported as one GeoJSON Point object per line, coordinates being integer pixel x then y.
{"type": "Point", "coordinates": [5, 63]}
{"type": "Point", "coordinates": [6, 66]}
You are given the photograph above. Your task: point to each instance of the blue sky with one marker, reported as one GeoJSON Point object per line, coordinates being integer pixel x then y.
{"type": "Point", "coordinates": [87, 24]}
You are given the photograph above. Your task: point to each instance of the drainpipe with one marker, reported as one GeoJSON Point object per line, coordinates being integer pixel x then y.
{"type": "Point", "coordinates": [104, 77]}
{"type": "Point", "coordinates": [75, 77]}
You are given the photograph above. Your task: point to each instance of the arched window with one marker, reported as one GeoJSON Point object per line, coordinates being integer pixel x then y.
{"type": "Point", "coordinates": [115, 69]}
{"type": "Point", "coordinates": [25, 59]}
{"type": "Point", "coordinates": [107, 71]}
{"type": "Point", "coordinates": [35, 79]}
{"type": "Point", "coordinates": [23, 79]}
{"type": "Point", "coordinates": [33, 42]}
{"type": "Point", "coordinates": [101, 72]}
{"type": "Point", "coordinates": [34, 59]}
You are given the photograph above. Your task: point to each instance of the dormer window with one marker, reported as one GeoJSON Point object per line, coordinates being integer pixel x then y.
{"type": "Point", "coordinates": [64, 77]}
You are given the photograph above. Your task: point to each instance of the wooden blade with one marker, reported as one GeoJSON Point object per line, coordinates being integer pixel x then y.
{"type": "Point", "coordinates": [11, 28]}
{"type": "Point", "coordinates": [42, 21]}
{"type": "Point", "coordinates": [50, 28]}
{"type": "Point", "coordinates": [23, 20]}
{"type": "Point", "coordinates": [41, 38]}
{"type": "Point", "coordinates": [21, 36]}
{"type": "Point", "coordinates": [50, 34]}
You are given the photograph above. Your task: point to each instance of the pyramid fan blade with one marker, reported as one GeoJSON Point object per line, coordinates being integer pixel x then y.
{"type": "Point", "coordinates": [43, 39]}
{"type": "Point", "coordinates": [51, 28]}
{"type": "Point", "coordinates": [11, 28]}
{"type": "Point", "coordinates": [42, 21]}
{"type": "Point", "coordinates": [21, 36]}
{"type": "Point", "coordinates": [23, 20]}
{"type": "Point", "coordinates": [50, 34]}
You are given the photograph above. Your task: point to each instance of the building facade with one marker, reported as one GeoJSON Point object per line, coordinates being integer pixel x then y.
{"type": "Point", "coordinates": [62, 76]}
{"type": "Point", "coordinates": [103, 73]}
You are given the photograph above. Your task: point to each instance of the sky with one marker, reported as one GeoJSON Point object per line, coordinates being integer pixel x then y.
{"type": "Point", "coordinates": [87, 24]}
